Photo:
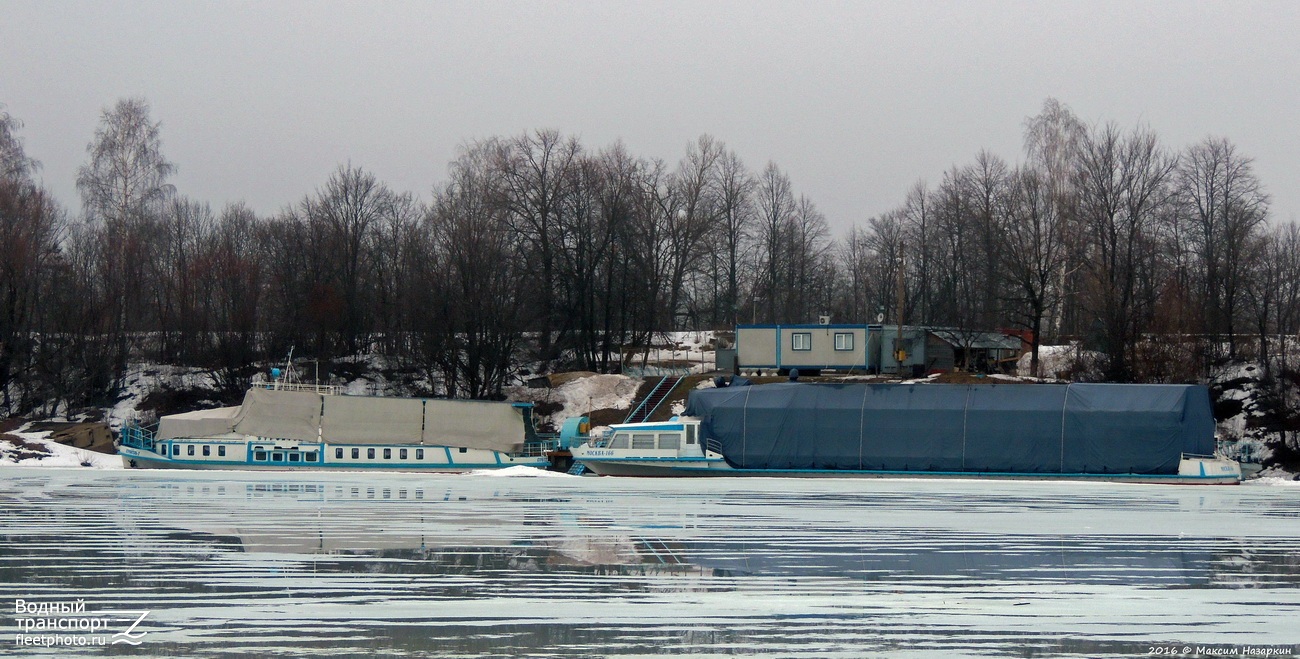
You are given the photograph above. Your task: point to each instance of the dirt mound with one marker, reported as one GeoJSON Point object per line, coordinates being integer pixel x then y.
{"type": "Point", "coordinates": [90, 436]}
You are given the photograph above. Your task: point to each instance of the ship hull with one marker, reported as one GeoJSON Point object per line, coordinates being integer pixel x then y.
{"type": "Point", "coordinates": [1193, 472]}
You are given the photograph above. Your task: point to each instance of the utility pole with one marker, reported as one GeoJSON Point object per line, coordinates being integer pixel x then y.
{"type": "Point", "coordinates": [899, 353]}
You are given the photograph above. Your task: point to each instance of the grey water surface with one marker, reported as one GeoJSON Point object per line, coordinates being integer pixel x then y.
{"type": "Point", "coordinates": [309, 564]}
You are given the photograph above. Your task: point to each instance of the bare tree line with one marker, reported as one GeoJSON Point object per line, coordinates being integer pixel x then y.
{"type": "Point", "coordinates": [1157, 258]}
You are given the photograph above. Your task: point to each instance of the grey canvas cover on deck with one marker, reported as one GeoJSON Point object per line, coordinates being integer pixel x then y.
{"type": "Point", "coordinates": [364, 420]}
{"type": "Point", "coordinates": [202, 423]}
{"type": "Point", "coordinates": [1037, 428]}
{"type": "Point", "coordinates": [280, 414]}
{"type": "Point", "coordinates": [310, 417]}
{"type": "Point", "coordinates": [474, 424]}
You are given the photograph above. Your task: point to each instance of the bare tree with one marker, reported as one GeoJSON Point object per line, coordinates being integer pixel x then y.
{"type": "Point", "coordinates": [15, 165]}
{"type": "Point", "coordinates": [122, 189]}
{"type": "Point", "coordinates": [483, 274]}
{"type": "Point", "coordinates": [1225, 205]}
{"type": "Point", "coordinates": [537, 171]}
{"type": "Point", "coordinates": [735, 189]}
{"type": "Point", "coordinates": [1052, 140]}
{"type": "Point", "coordinates": [31, 226]}
{"type": "Point", "coordinates": [776, 204]}
{"type": "Point", "coordinates": [1124, 183]}
{"type": "Point", "coordinates": [1033, 249]}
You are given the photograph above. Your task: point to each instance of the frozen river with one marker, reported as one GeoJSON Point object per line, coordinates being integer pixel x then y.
{"type": "Point", "coordinates": [237, 563]}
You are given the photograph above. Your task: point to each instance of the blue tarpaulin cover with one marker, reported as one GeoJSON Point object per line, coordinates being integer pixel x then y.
{"type": "Point", "coordinates": [1017, 428]}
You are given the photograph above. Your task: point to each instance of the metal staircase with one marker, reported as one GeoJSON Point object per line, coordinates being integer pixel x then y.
{"type": "Point", "coordinates": [655, 398]}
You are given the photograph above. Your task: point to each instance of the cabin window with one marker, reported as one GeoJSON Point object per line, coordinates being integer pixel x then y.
{"type": "Point", "coordinates": [221, 451]}
{"type": "Point", "coordinates": [670, 440]}
{"type": "Point", "coordinates": [464, 450]}
{"type": "Point", "coordinates": [309, 456]}
{"type": "Point", "coordinates": [338, 454]}
{"type": "Point", "coordinates": [277, 456]}
{"type": "Point", "coordinates": [293, 456]}
{"type": "Point", "coordinates": [189, 450]}
{"type": "Point", "coordinates": [259, 456]}
{"type": "Point", "coordinates": [643, 440]}
{"type": "Point", "coordinates": [801, 341]}
{"type": "Point", "coordinates": [370, 454]}
{"type": "Point", "coordinates": [619, 441]}
{"type": "Point", "coordinates": [690, 435]}
{"type": "Point", "coordinates": [419, 454]}
{"type": "Point", "coordinates": [356, 454]}
{"type": "Point", "coordinates": [207, 451]}
{"type": "Point", "coordinates": [176, 450]}
{"type": "Point", "coordinates": [843, 341]}
{"type": "Point", "coordinates": [401, 454]}
{"type": "Point", "coordinates": [388, 454]}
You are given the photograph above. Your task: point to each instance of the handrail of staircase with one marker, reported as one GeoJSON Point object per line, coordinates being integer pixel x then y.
{"type": "Point", "coordinates": [654, 409]}
{"type": "Point", "coordinates": [645, 400]}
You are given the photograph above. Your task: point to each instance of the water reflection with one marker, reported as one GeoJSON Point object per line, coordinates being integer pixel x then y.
{"type": "Point", "coordinates": [471, 565]}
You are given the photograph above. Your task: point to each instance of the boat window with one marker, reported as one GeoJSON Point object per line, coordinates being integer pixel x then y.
{"type": "Point", "coordinates": [690, 435]}
{"type": "Point", "coordinates": [464, 450]}
{"type": "Point", "coordinates": [338, 454]}
{"type": "Point", "coordinates": [259, 455]}
{"type": "Point", "coordinates": [619, 441]}
{"type": "Point", "coordinates": [401, 454]}
{"type": "Point", "coordinates": [356, 454]}
{"type": "Point", "coordinates": [643, 440]}
{"type": "Point", "coordinates": [309, 456]}
{"type": "Point", "coordinates": [176, 449]}
{"type": "Point", "coordinates": [672, 440]}
{"type": "Point", "coordinates": [189, 450]}
{"type": "Point", "coordinates": [277, 456]}
{"type": "Point", "coordinates": [221, 451]}
{"type": "Point", "coordinates": [207, 451]}
{"type": "Point", "coordinates": [388, 454]}
{"type": "Point", "coordinates": [419, 454]}
{"type": "Point", "coordinates": [370, 454]}
{"type": "Point", "coordinates": [293, 456]}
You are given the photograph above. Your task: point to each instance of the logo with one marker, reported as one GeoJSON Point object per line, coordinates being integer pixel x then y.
{"type": "Point", "coordinates": [66, 624]}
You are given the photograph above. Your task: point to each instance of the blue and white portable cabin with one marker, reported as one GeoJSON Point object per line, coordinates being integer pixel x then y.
{"type": "Point", "coordinates": [827, 347]}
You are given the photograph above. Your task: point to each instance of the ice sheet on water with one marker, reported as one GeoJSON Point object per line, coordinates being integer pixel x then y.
{"type": "Point", "coordinates": [470, 565]}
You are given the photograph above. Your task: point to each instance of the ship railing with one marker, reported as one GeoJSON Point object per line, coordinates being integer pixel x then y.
{"type": "Point", "coordinates": [137, 436]}
{"type": "Point", "coordinates": [539, 448]}
{"type": "Point", "coordinates": [599, 442]}
{"type": "Point", "coordinates": [713, 445]}
{"type": "Point", "coordinates": [326, 389]}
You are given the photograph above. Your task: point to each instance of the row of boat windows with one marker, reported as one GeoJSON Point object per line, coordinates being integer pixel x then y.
{"type": "Point", "coordinates": [260, 455]}
{"type": "Point", "coordinates": [189, 450]}
{"type": "Point", "coordinates": [649, 440]}
{"type": "Point", "coordinates": [370, 454]}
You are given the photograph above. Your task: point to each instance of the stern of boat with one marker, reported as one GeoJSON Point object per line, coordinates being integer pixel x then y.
{"type": "Point", "coordinates": [1210, 467]}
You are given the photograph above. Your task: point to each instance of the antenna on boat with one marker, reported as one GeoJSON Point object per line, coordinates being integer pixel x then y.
{"type": "Point", "coordinates": [280, 377]}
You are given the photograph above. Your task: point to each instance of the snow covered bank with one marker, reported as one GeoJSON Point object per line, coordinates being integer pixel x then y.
{"type": "Point", "coordinates": [53, 453]}
{"type": "Point", "coordinates": [576, 394]}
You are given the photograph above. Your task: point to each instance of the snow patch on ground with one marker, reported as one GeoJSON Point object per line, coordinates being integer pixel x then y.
{"type": "Point", "coordinates": [57, 455]}
{"type": "Point", "coordinates": [142, 379]}
{"type": "Point", "coordinates": [579, 396]}
{"type": "Point", "coordinates": [1055, 362]}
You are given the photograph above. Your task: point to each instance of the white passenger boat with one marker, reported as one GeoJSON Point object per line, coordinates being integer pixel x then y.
{"type": "Point", "coordinates": [285, 425]}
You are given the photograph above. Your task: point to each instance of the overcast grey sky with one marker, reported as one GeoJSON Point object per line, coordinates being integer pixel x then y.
{"type": "Point", "coordinates": [855, 101]}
